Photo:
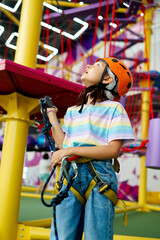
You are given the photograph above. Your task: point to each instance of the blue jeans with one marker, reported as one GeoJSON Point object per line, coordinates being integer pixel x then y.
{"type": "Point", "coordinates": [96, 218]}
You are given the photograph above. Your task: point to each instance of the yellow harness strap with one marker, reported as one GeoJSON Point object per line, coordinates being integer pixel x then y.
{"type": "Point", "coordinates": [82, 159]}
{"type": "Point", "coordinates": [120, 203]}
{"type": "Point", "coordinates": [116, 165]}
{"type": "Point", "coordinates": [89, 189]}
{"type": "Point", "coordinates": [76, 193]}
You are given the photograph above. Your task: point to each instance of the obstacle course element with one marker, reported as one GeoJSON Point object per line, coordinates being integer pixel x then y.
{"type": "Point", "coordinates": [35, 84]}
{"type": "Point", "coordinates": [153, 149]}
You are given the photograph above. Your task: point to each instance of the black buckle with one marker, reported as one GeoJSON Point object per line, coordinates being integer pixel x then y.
{"type": "Point", "coordinates": [102, 187]}
{"type": "Point", "coordinates": [58, 185]}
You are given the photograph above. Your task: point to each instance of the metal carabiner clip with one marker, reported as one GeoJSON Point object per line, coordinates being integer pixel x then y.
{"type": "Point", "coordinates": [74, 165]}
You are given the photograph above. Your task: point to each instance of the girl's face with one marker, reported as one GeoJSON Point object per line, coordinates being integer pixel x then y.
{"type": "Point", "coordinates": [93, 73]}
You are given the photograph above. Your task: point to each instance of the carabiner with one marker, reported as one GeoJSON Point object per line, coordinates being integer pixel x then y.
{"type": "Point", "coordinates": [74, 165]}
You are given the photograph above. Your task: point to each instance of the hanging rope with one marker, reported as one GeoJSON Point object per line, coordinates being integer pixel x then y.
{"type": "Point", "coordinates": [106, 28]}
{"type": "Point", "coordinates": [95, 31]}
{"type": "Point", "coordinates": [47, 36]}
{"type": "Point", "coordinates": [136, 84]}
{"type": "Point", "coordinates": [115, 38]}
{"type": "Point", "coordinates": [111, 33]}
{"type": "Point", "coordinates": [148, 72]}
{"type": "Point", "coordinates": [62, 51]}
{"type": "Point", "coordinates": [155, 44]}
{"type": "Point", "coordinates": [69, 52]}
{"type": "Point", "coordinates": [69, 44]}
{"type": "Point", "coordinates": [8, 33]}
{"type": "Point", "coordinates": [41, 49]}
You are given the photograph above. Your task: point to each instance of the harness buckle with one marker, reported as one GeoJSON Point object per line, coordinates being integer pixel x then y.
{"type": "Point", "coordinates": [102, 187]}
{"type": "Point", "coordinates": [58, 185]}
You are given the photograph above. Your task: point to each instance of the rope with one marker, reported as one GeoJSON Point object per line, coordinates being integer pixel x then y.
{"type": "Point", "coordinates": [142, 145]}
{"type": "Point", "coordinates": [115, 38]}
{"type": "Point", "coordinates": [111, 33]}
{"type": "Point", "coordinates": [56, 200]}
{"type": "Point", "coordinates": [46, 129]}
{"type": "Point", "coordinates": [69, 44]}
{"type": "Point", "coordinates": [69, 53]}
{"type": "Point", "coordinates": [135, 111]}
{"type": "Point", "coordinates": [155, 44]}
{"type": "Point", "coordinates": [8, 33]}
{"type": "Point", "coordinates": [95, 31]}
{"type": "Point", "coordinates": [41, 49]}
{"type": "Point", "coordinates": [47, 36]}
{"type": "Point", "coordinates": [106, 28]}
{"type": "Point", "coordinates": [62, 51]}
{"type": "Point", "coordinates": [148, 72]}
{"type": "Point", "coordinates": [47, 103]}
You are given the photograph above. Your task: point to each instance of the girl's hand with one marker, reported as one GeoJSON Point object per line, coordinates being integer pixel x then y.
{"type": "Point", "coordinates": [58, 155]}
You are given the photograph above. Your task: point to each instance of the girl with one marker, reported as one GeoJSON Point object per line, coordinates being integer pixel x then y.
{"type": "Point", "coordinates": [95, 130]}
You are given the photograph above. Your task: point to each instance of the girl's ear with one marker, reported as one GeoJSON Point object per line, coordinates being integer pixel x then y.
{"type": "Point", "coordinates": [107, 79]}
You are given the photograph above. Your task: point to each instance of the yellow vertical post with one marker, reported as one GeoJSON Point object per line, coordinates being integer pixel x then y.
{"type": "Point", "coordinates": [145, 115]}
{"type": "Point", "coordinates": [13, 151]}
{"type": "Point", "coordinates": [29, 31]}
{"type": "Point", "coordinates": [18, 110]}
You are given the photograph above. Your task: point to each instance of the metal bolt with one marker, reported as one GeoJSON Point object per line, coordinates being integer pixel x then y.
{"type": "Point", "coordinates": [22, 228]}
{"type": "Point", "coordinates": [21, 235]}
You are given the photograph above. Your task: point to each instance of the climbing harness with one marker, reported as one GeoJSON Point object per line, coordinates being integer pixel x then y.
{"type": "Point", "coordinates": [102, 187]}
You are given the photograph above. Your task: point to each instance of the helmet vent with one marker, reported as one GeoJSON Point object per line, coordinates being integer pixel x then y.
{"type": "Point", "coordinates": [114, 60]}
{"type": "Point", "coordinates": [129, 85]}
{"type": "Point", "coordinates": [129, 74]}
{"type": "Point", "coordinates": [123, 66]}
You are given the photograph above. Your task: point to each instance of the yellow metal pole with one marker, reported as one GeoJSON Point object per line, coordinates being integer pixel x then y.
{"type": "Point", "coordinates": [29, 31]}
{"type": "Point", "coordinates": [145, 115]}
{"type": "Point", "coordinates": [32, 233]}
{"type": "Point", "coordinates": [15, 138]}
{"type": "Point", "coordinates": [10, 15]}
{"type": "Point", "coordinates": [66, 4]}
{"type": "Point", "coordinates": [18, 110]}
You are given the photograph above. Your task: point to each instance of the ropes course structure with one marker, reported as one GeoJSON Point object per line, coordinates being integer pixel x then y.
{"type": "Point", "coordinates": [66, 38]}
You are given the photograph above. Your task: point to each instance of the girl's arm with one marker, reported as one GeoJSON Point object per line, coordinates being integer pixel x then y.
{"type": "Point", "coordinates": [112, 150]}
{"type": "Point", "coordinates": [57, 132]}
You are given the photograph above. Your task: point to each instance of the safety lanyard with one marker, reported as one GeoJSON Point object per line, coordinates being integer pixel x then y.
{"type": "Point", "coordinates": [45, 103]}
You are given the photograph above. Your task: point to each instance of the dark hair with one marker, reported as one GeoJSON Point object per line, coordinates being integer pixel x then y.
{"type": "Point", "coordinates": [45, 156]}
{"type": "Point", "coordinates": [96, 94]}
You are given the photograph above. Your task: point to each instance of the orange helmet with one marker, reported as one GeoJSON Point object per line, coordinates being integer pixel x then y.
{"type": "Point", "coordinates": [122, 73]}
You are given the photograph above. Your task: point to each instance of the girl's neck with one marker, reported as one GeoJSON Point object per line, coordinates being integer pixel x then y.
{"type": "Point", "coordinates": [89, 99]}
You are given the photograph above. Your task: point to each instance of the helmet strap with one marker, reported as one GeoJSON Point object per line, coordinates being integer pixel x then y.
{"type": "Point", "coordinates": [87, 90]}
{"type": "Point", "coordinates": [110, 87]}
{"type": "Point", "coordinates": [104, 72]}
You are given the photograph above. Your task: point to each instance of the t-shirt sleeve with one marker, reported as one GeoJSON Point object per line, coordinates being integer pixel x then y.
{"type": "Point", "coordinates": [120, 127]}
{"type": "Point", "coordinates": [63, 128]}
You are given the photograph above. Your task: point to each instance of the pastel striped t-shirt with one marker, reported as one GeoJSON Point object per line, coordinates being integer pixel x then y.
{"type": "Point", "coordinates": [97, 125]}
